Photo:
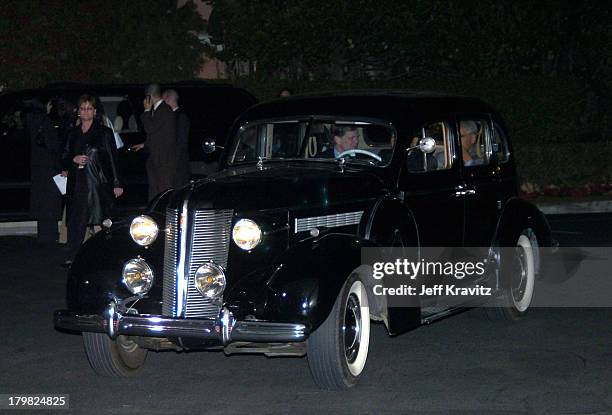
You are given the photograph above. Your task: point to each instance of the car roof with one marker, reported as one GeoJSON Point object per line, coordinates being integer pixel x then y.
{"type": "Point", "coordinates": [384, 104]}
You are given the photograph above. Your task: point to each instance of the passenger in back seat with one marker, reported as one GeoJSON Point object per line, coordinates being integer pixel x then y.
{"type": "Point", "coordinates": [469, 136]}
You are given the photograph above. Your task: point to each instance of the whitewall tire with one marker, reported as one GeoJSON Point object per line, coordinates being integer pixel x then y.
{"type": "Point", "coordinates": [338, 349]}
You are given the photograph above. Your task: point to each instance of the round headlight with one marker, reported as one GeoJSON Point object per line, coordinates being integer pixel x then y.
{"type": "Point", "coordinates": [246, 234]}
{"type": "Point", "coordinates": [144, 230]}
{"type": "Point", "coordinates": [210, 280]}
{"type": "Point", "coordinates": [137, 276]}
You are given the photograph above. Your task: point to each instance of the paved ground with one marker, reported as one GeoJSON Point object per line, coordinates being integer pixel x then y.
{"type": "Point", "coordinates": [556, 361]}
{"type": "Point", "coordinates": [570, 206]}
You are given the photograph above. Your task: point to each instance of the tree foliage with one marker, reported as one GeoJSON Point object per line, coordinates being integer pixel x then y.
{"type": "Point", "coordinates": [98, 41]}
{"type": "Point", "coordinates": [353, 39]}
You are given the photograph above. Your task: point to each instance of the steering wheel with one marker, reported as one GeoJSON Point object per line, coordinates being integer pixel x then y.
{"type": "Point", "coordinates": [359, 151]}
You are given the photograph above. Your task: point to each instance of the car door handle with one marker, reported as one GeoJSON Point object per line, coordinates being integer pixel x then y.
{"type": "Point", "coordinates": [464, 191]}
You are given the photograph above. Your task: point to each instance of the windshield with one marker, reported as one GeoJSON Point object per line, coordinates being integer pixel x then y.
{"type": "Point", "coordinates": [354, 141]}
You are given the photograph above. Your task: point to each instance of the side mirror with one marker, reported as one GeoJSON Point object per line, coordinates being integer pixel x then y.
{"type": "Point", "coordinates": [209, 146]}
{"type": "Point", "coordinates": [427, 145]}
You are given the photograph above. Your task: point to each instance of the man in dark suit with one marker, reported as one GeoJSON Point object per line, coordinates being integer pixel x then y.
{"type": "Point", "coordinates": [45, 199]}
{"type": "Point", "coordinates": [159, 123]}
{"type": "Point", "coordinates": [345, 138]}
{"type": "Point", "coordinates": [183, 172]}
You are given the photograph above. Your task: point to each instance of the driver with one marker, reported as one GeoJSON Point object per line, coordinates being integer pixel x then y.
{"type": "Point", "coordinates": [345, 138]}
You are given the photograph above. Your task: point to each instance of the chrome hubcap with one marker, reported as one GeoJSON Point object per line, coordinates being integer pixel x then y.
{"type": "Point", "coordinates": [126, 345]}
{"type": "Point", "coordinates": [352, 328]}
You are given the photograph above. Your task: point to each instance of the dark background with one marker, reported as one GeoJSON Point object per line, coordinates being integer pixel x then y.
{"type": "Point", "coordinates": [546, 65]}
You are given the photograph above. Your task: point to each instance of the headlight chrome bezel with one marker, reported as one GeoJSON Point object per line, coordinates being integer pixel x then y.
{"type": "Point", "coordinates": [247, 234]}
{"type": "Point", "coordinates": [215, 285]}
{"type": "Point", "coordinates": [145, 274]}
{"type": "Point", "coordinates": [144, 230]}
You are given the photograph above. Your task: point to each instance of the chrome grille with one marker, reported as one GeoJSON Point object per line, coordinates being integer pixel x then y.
{"type": "Point", "coordinates": [328, 221]}
{"type": "Point", "coordinates": [170, 256]}
{"type": "Point", "coordinates": [209, 242]}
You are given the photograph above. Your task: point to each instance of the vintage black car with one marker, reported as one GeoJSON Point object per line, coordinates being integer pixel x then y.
{"type": "Point", "coordinates": [267, 254]}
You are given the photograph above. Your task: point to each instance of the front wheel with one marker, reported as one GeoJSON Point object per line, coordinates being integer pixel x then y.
{"type": "Point", "coordinates": [338, 349]}
{"type": "Point", "coordinates": [116, 358]}
{"type": "Point", "coordinates": [517, 297]}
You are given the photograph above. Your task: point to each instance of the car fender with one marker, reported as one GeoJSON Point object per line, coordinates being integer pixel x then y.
{"type": "Point", "coordinates": [388, 215]}
{"type": "Point", "coordinates": [517, 215]}
{"type": "Point", "coordinates": [94, 280]}
{"type": "Point", "coordinates": [309, 276]}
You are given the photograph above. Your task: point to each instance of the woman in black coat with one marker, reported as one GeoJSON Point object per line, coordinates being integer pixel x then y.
{"type": "Point", "coordinates": [93, 176]}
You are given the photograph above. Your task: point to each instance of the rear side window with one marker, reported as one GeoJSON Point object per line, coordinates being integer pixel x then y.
{"type": "Point", "coordinates": [500, 144]}
{"type": "Point", "coordinates": [474, 137]}
{"type": "Point", "coordinates": [441, 158]}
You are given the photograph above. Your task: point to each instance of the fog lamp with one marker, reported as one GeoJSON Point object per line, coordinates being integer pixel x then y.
{"type": "Point", "coordinates": [137, 276]}
{"type": "Point", "coordinates": [210, 280]}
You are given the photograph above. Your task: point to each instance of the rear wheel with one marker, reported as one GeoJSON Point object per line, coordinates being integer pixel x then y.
{"type": "Point", "coordinates": [117, 358]}
{"type": "Point", "coordinates": [338, 349]}
{"type": "Point", "coordinates": [516, 299]}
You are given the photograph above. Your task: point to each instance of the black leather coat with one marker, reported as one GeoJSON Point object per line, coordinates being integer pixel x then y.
{"type": "Point", "coordinates": [96, 180]}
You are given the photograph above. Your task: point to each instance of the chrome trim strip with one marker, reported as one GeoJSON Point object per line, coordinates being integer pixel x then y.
{"type": "Point", "coordinates": [328, 221]}
{"type": "Point", "coordinates": [181, 274]}
{"type": "Point", "coordinates": [111, 315]}
{"type": "Point", "coordinates": [227, 321]}
{"type": "Point", "coordinates": [170, 258]}
{"type": "Point", "coordinates": [253, 331]}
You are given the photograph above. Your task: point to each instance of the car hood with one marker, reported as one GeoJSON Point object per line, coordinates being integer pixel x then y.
{"type": "Point", "coordinates": [283, 186]}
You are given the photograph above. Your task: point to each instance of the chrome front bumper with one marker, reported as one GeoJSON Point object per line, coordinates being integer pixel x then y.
{"type": "Point", "coordinates": [225, 329]}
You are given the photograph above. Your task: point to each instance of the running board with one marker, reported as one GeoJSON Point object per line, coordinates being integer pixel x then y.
{"type": "Point", "coordinates": [431, 314]}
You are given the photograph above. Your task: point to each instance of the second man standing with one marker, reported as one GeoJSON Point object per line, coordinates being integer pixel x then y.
{"type": "Point", "coordinates": [159, 123]}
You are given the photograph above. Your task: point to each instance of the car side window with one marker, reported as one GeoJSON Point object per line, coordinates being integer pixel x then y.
{"type": "Point", "coordinates": [473, 138]}
{"type": "Point", "coordinates": [120, 113]}
{"type": "Point", "coordinates": [440, 159]}
{"type": "Point", "coordinates": [500, 144]}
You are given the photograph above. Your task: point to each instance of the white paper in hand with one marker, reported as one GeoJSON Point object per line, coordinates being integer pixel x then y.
{"type": "Point", "coordinates": [60, 182]}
